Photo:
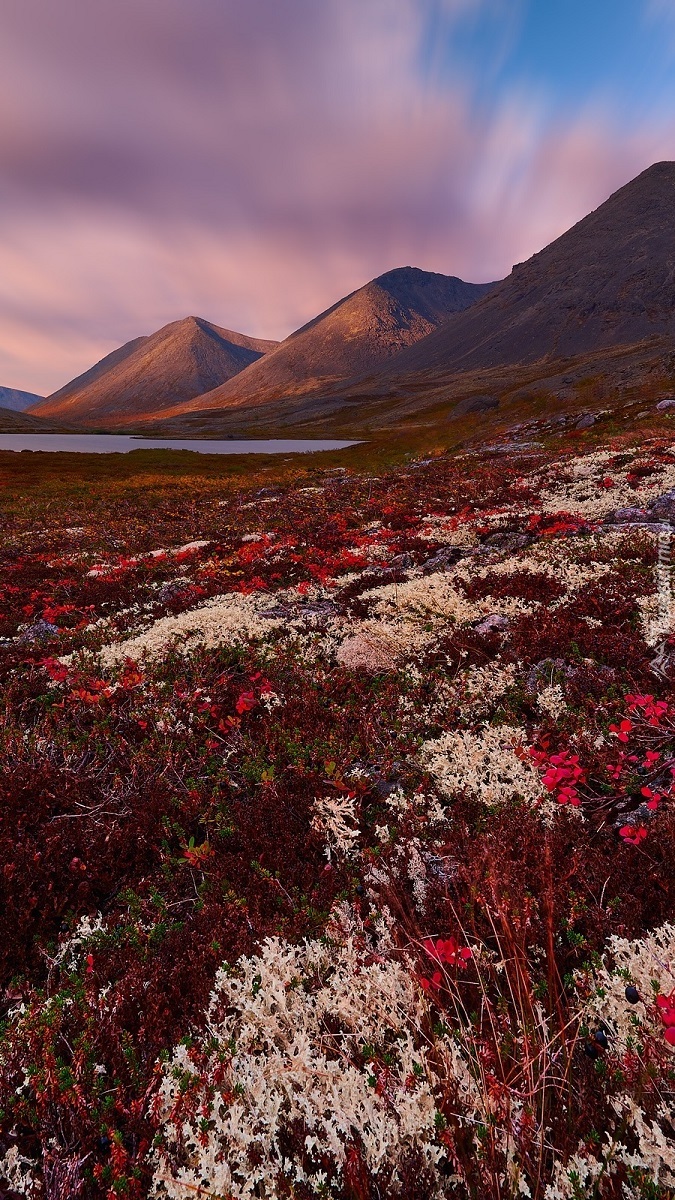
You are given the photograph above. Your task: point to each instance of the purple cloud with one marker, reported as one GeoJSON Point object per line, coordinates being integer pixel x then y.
{"type": "Point", "coordinates": [251, 161]}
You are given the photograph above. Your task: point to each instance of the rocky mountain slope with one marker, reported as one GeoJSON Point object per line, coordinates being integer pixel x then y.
{"type": "Point", "coordinates": [180, 361]}
{"type": "Point", "coordinates": [360, 332]}
{"type": "Point", "coordinates": [608, 281]}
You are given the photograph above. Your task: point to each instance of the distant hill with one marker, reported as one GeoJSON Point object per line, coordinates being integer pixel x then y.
{"type": "Point", "coordinates": [180, 361]}
{"type": "Point", "coordinates": [608, 281]}
{"type": "Point", "coordinates": [362, 331]}
{"type": "Point", "coordinates": [17, 401]}
{"type": "Point", "coordinates": [22, 422]}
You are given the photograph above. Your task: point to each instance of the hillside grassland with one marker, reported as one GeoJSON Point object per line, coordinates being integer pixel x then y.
{"type": "Point", "coordinates": [337, 818]}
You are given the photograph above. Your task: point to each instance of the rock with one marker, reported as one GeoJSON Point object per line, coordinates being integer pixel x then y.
{"type": "Point", "coordinates": [627, 516]}
{"type": "Point", "coordinates": [402, 562]}
{"type": "Point", "coordinates": [474, 404]}
{"type": "Point", "coordinates": [543, 672]}
{"type": "Point", "coordinates": [585, 422]}
{"type": "Point", "coordinates": [443, 559]}
{"type": "Point", "coordinates": [508, 541]}
{"type": "Point", "coordinates": [41, 631]}
{"type": "Point", "coordinates": [666, 403]}
{"type": "Point", "coordinates": [493, 623]}
{"type": "Point", "coordinates": [663, 507]}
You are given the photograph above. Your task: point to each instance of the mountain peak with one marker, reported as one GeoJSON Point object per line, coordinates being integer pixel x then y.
{"type": "Point", "coordinates": [181, 360]}
{"type": "Point", "coordinates": [607, 281]}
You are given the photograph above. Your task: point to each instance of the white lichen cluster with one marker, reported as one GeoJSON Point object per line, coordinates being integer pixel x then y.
{"type": "Point", "coordinates": [19, 1173]}
{"type": "Point", "coordinates": [485, 764]}
{"type": "Point", "coordinates": [551, 701]}
{"type": "Point", "coordinates": [435, 598]}
{"type": "Point", "coordinates": [583, 493]}
{"type": "Point", "coordinates": [286, 1032]}
{"type": "Point", "coordinates": [650, 1158]}
{"type": "Point", "coordinates": [648, 964]}
{"type": "Point", "coordinates": [334, 818]}
{"type": "Point", "coordinates": [225, 620]}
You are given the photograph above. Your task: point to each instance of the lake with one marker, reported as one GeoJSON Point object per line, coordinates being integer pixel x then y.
{"type": "Point", "coordinates": [113, 443]}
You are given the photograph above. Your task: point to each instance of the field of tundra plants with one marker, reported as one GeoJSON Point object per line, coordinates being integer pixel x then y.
{"type": "Point", "coordinates": [337, 838]}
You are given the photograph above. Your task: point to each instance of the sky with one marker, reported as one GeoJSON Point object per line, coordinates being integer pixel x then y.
{"type": "Point", "coordinates": [252, 161]}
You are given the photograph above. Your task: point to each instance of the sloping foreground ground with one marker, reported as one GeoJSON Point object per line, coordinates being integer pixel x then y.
{"type": "Point", "coordinates": [337, 832]}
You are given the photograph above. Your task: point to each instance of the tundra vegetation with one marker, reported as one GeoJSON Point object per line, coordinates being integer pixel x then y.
{"type": "Point", "coordinates": [338, 827]}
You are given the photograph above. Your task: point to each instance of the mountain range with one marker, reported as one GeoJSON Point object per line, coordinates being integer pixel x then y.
{"type": "Point", "coordinates": [194, 364]}
{"type": "Point", "coordinates": [17, 401]}
{"type": "Point", "coordinates": [598, 299]}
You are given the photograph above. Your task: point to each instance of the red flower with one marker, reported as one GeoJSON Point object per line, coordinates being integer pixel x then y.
{"type": "Point", "coordinates": [246, 702]}
{"type": "Point", "coordinates": [666, 1007]}
{"type": "Point", "coordinates": [653, 798]}
{"type": "Point", "coordinates": [652, 709]}
{"type": "Point", "coordinates": [633, 834]}
{"type": "Point", "coordinates": [435, 981]}
{"type": "Point", "coordinates": [447, 951]}
{"type": "Point", "coordinates": [622, 730]}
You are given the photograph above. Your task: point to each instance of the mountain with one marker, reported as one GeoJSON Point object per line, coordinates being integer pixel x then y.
{"type": "Point", "coordinates": [17, 401]}
{"type": "Point", "coordinates": [12, 421]}
{"type": "Point", "coordinates": [608, 281]}
{"type": "Point", "coordinates": [180, 361]}
{"type": "Point", "coordinates": [362, 331]}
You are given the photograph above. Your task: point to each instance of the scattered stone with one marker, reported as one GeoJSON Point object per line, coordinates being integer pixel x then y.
{"type": "Point", "coordinates": [403, 562]}
{"type": "Point", "coordinates": [474, 404]}
{"type": "Point", "coordinates": [585, 422]}
{"type": "Point", "coordinates": [663, 507]}
{"type": "Point", "coordinates": [508, 541]}
{"type": "Point", "coordinates": [666, 403]}
{"type": "Point", "coordinates": [494, 623]}
{"type": "Point", "coordinates": [442, 561]}
{"type": "Point", "coordinates": [41, 631]}
{"type": "Point", "coordinates": [543, 672]}
{"type": "Point", "coordinates": [627, 516]}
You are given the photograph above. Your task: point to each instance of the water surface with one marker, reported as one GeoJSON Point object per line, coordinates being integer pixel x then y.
{"type": "Point", "coordinates": [114, 443]}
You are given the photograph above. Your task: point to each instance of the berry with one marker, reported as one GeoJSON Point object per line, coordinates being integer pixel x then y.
{"type": "Point", "coordinates": [632, 994]}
